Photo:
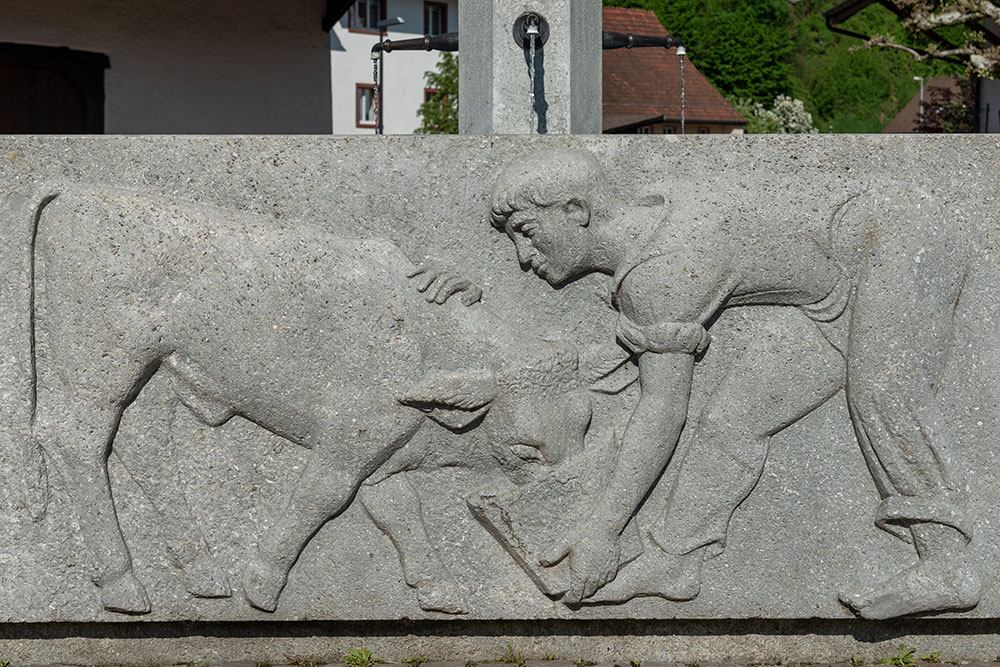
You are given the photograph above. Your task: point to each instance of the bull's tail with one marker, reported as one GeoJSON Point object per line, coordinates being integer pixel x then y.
{"type": "Point", "coordinates": [36, 479]}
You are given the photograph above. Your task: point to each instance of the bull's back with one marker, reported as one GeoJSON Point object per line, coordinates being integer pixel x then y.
{"type": "Point", "coordinates": [258, 308]}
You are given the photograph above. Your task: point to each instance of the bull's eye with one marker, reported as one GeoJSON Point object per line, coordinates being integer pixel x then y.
{"type": "Point", "coordinates": [527, 453]}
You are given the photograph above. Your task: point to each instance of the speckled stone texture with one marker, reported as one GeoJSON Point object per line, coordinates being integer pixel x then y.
{"type": "Point", "coordinates": [804, 535]}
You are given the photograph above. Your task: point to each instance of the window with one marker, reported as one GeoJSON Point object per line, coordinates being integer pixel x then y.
{"type": "Point", "coordinates": [435, 18]}
{"type": "Point", "coordinates": [364, 15]}
{"type": "Point", "coordinates": [644, 130]}
{"type": "Point", "coordinates": [51, 90]}
{"type": "Point", "coordinates": [429, 94]}
{"type": "Point", "coordinates": [702, 130]}
{"type": "Point", "coordinates": [365, 107]}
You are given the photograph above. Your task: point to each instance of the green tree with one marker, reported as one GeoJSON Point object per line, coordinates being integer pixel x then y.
{"type": "Point", "coordinates": [439, 114]}
{"type": "Point", "coordinates": [743, 48]}
{"type": "Point", "coordinates": [847, 87]}
{"type": "Point", "coordinates": [760, 49]}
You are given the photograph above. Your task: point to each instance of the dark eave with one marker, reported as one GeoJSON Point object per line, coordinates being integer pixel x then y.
{"type": "Point", "coordinates": [622, 129]}
{"type": "Point", "coordinates": [845, 10]}
{"type": "Point", "coordinates": [334, 10]}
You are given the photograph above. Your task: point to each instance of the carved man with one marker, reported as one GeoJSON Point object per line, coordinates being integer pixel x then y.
{"type": "Point", "coordinates": [879, 275]}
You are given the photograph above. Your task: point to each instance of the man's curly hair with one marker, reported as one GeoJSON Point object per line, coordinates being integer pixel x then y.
{"type": "Point", "coordinates": [547, 178]}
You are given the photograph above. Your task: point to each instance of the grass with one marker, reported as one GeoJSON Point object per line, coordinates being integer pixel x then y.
{"type": "Point", "coordinates": [361, 657]}
{"type": "Point", "coordinates": [514, 657]}
{"type": "Point", "coordinates": [904, 657]}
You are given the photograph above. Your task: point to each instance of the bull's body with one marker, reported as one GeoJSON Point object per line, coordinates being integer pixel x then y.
{"type": "Point", "coordinates": [317, 338]}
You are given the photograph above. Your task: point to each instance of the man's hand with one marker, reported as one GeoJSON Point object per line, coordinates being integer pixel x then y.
{"type": "Point", "coordinates": [594, 558]}
{"type": "Point", "coordinates": [438, 285]}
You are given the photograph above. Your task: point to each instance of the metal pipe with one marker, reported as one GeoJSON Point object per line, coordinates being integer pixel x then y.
{"type": "Point", "coordinates": [620, 40]}
{"type": "Point", "coordinates": [446, 42]}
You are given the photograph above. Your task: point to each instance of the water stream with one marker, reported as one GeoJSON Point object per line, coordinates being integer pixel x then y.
{"type": "Point", "coordinates": [680, 54]}
{"type": "Point", "coordinates": [375, 91]}
{"type": "Point", "coordinates": [531, 81]}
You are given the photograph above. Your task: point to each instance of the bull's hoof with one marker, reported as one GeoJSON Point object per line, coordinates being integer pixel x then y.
{"type": "Point", "coordinates": [922, 588]}
{"type": "Point", "coordinates": [125, 595]}
{"type": "Point", "coordinates": [443, 597]}
{"type": "Point", "coordinates": [263, 583]}
{"type": "Point", "coordinates": [203, 578]}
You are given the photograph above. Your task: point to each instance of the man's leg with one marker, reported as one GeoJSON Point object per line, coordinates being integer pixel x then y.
{"type": "Point", "coordinates": [782, 375]}
{"type": "Point", "coordinates": [899, 343]}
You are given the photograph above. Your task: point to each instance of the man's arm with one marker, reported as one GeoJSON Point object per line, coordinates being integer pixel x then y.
{"type": "Point", "coordinates": [650, 437]}
{"type": "Point", "coordinates": [646, 449]}
{"type": "Point", "coordinates": [663, 307]}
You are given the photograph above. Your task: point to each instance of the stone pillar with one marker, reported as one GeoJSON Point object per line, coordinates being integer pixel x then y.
{"type": "Point", "coordinates": [494, 73]}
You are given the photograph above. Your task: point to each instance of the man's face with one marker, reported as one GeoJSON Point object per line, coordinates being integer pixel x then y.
{"type": "Point", "coordinates": [551, 240]}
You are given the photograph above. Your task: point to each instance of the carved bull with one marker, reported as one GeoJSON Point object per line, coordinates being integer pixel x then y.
{"type": "Point", "coordinates": [317, 338]}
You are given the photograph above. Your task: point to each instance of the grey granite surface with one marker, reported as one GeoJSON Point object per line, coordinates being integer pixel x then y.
{"type": "Point", "coordinates": [207, 511]}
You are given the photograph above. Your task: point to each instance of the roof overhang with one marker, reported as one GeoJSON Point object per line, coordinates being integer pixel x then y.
{"type": "Point", "coordinates": [621, 129]}
{"type": "Point", "coordinates": [845, 10]}
{"type": "Point", "coordinates": [334, 10]}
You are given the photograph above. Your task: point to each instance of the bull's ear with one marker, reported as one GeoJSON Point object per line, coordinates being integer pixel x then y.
{"type": "Point", "coordinates": [454, 399]}
{"type": "Point", "coordinates": [607, 368]}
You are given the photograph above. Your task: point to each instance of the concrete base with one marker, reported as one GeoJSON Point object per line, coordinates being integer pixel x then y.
{"type": "Point", "coordinates": [760, 642]}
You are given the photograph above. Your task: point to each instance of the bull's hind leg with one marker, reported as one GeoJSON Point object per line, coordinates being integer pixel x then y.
{"type": "Point", "coordinates": [341, 459]}
{"type": "Point", "coordinates": [76, 431]}
{"type": "Point", "coordinates": [151, 460]}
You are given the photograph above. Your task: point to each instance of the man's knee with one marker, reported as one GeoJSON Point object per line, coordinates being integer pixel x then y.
{"type": "Point", "coordinates": [731, 434]}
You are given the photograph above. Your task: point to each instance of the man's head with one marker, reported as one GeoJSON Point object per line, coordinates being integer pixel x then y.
{"type": "Point", "coordinates": [546, 205]}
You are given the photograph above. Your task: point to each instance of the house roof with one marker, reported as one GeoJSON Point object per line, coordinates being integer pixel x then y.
{"type": "Point", "coordinates": [642, 85]}
{"type": "Point", "coordinates": [907, 119]}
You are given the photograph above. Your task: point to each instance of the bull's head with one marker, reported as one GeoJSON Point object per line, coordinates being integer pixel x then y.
{"type": "Point", "coordinates": [535, 408]}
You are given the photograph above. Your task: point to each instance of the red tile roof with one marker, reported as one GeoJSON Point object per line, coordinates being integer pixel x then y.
{"type": "Point", "coordinates": [643, 84]}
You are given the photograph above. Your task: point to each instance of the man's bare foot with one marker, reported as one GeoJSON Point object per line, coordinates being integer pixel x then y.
{"type": "Point", "coordinates": [923, 587]}
{"type": "Point", "coordinates": [444, 596]}
{"type": "Point", "coordinates": [655, 574]}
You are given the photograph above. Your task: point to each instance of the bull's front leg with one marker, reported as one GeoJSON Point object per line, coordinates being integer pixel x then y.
{"type": "Point", "coordinates": [394, 506]}
{"type": "Point", "coordinates": [339, 462]}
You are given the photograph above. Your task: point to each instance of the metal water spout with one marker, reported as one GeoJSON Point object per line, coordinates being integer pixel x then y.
{"type": "Point", "coordinates": [531, 31]}
{"type": "Point", "coordinates": [618, 40]}
{"type": "Point", "coordinates": [445, 42]}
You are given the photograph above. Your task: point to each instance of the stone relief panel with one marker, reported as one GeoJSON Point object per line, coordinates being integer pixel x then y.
{"type": "Point", "coordinates": [575, 378]}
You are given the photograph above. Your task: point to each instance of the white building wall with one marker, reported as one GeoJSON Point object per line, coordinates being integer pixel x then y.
{"type": "Point", "coordinates": [193, 66]}
{"type": "Point", "coordinates": [351, 64]}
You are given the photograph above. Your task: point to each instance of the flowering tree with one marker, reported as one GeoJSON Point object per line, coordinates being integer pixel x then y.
{"type": "Point", "coordinates": [963, 21]}
{"type": "Point", "coordinates": [787, 116]}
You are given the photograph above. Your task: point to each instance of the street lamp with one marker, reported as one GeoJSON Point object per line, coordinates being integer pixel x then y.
{"type": "Point", "coordinates": [920, 125]}
{"type": "Point", "coordinates": [382, 25]}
